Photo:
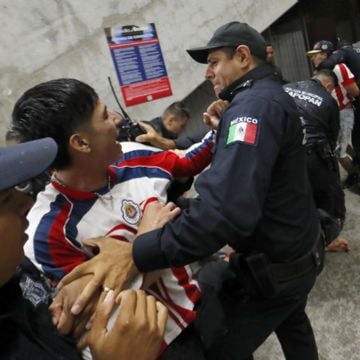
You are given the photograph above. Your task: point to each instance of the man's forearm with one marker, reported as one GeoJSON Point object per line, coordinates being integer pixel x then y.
{"type": "Point", "coordinates": [163, 143]}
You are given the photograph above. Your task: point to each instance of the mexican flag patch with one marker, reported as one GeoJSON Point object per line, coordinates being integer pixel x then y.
{"type": "Point", "coordinates": [243, 129]}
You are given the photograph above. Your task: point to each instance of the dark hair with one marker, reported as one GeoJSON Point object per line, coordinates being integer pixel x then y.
{"type": "Point", "coordinates": [327, 73]}
{"type": "Point", "coordinates": [258, 61]}
{"type": "Point", "coordinates": [177, 109]}
{"type": "Point", "coordinates": [230, 52]}
{"type": "Point", "coordinates": [12, 135]}
{"type": "Point", "coordinates": [56, 109]}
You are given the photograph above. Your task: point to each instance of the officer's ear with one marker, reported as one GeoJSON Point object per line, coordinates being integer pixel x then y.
{"type": "Point", "coordinates": [243, 55]}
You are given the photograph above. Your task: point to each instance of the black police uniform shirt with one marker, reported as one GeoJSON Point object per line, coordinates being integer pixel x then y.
{"type": "Point", "coordinates": [255, 196]}
{"type": "Point", "coordinates": [348, 56]}
{"type": "Point", "coordinates": [318, 109]}
{"type": "Point", "coordinates": [26, 328]}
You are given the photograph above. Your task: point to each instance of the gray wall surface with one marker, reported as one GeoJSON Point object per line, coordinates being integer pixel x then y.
{"type": "Point", "coordinates": [46, 39]}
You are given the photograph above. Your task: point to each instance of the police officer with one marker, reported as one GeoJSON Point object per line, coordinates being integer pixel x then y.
{"type": "Point", "coordinates": [351, 58]}
{"type": "Point", "coordinates": [320, 118]}
{"type": "Point", "coordinates": [255, 197]}
{"type": "Point", "coordinates": [345, 54]}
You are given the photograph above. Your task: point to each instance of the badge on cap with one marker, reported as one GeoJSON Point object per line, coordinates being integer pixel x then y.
{"type": "Point", "coordinates": [244, 129]}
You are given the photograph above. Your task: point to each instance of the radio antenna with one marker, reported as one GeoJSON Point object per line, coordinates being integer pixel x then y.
{"type": "Point", "coordinates": [123, 112]}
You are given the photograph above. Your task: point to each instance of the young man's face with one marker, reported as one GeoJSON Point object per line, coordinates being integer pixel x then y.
{"type": "Point", "coordinates": [222, 70]}
{"type": "Point", "coordinates": [13, 209]}
{"type": "Point", "coordinates": [103, 135]}
{"type": "Point", "coordinates": [318, 58]}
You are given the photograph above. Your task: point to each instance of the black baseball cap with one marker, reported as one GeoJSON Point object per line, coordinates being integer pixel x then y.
{"type": "Point", "coordinates": [321, 46]}
{"type": "Point", "coordinates": [232, 34]}
{"type": "Point", "coordinates": [21, 162]}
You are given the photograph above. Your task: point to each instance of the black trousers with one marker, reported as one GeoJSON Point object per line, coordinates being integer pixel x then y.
{"type": "Point", "coordinates": [325, 183]}
{"type": "Point", "coordinates": [245, 323]}
{"type": "Point", "coordinates": [187, 346]}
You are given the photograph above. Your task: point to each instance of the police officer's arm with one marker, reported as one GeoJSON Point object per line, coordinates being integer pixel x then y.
{"type": "Point", "coordinates": [335, 58]}
{"type": "Point", "coordinates": [184, 142]}
{"type": "Point", "coordinates": [231, 192]}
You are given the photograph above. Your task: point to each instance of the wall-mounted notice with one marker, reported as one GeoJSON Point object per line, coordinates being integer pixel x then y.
{"type": "Point", "coordinates": [139, 63]}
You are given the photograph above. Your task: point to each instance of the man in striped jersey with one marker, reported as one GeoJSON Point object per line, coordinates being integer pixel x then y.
{"type": "Point", "coordinates": [97, 191]}
{"type": "Point", "coordinates": [26, 328]}
{"type": "Point", "coordinates": [343, 94]}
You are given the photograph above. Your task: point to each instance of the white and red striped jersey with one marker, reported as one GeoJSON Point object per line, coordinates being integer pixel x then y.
{"type": "Point", "coordinates": [62, 218]}
{"type": "Point", "coordinates": [345, 77]}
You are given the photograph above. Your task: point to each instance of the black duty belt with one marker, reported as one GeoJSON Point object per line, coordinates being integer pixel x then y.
{"type": "Point", "coordinates": [311, 149]}
{"type": "Point", "coordinates": [261, 276]}
{"type": "Point", "coordinates": [292, 270]}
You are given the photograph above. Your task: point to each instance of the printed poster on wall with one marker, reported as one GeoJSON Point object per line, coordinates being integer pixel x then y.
{"type": "Point", "coordinates": [139, 63]}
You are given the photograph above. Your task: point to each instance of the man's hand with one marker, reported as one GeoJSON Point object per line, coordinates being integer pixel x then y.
{"type": "Point", "coordinates": [112, 268]}
{"type": "Point", "coordinates": [338, 245]}
{"type": "Point", "coordinates": [61, 306]}
{"type": "Point", "coordinates": [213, 113]}
{"type": "Point", "coordinates": [156, 215]}
{"type": "Point", "coordinates": [154, 138]}
{"type": "Point", "coordinates": [150, 136]}
{"type": "Point", "coordinates": [138, 330]}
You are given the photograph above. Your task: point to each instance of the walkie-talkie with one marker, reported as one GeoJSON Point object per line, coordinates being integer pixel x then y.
{"type": "Point", "coordinates": [129, 129]}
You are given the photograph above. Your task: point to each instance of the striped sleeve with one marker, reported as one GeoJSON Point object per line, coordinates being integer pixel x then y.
{"type": "Point", "coordinates": [344, 75]}
{"type": "Point", "coordinates": [193, 163]}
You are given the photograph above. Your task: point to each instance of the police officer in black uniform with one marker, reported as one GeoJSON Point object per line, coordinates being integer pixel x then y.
{"type": "Point", "coordinates": [320, 118]}
{"type": "Point", "coordinates": [256, 197]}
{"type": "Point", "coordinates": [345, 54]}
{"type": "Point", "coordinates": [351, 58]}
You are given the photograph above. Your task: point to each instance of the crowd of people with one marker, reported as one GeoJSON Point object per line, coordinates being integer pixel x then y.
{"type": "Point", "coordinates": [271, 193]}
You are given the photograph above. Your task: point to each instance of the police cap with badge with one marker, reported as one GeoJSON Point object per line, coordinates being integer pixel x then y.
{"type": "Point", "coordinates": [231, 34]}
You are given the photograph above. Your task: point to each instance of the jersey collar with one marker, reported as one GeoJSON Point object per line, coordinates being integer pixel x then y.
{"type": "Point", "coordinates": [85, 195]}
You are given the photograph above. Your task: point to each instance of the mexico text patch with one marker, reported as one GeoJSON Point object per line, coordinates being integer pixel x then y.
{"type": "Point", "coordinates": [244, 129]}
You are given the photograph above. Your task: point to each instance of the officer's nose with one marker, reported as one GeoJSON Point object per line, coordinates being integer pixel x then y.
{"type": "Point", "coordinates": [209, 74]}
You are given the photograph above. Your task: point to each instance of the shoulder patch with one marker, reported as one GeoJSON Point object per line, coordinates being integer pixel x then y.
{"type": "Point", "coordinates": [244, 129]}
{"type": "Point", "coordinates": [33, 291]}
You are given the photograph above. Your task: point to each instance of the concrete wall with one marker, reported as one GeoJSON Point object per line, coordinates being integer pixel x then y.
{"type": "Point", "coordinates": [45, 39]}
